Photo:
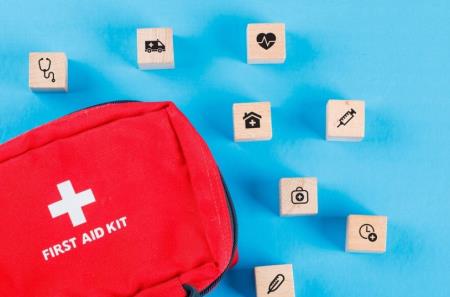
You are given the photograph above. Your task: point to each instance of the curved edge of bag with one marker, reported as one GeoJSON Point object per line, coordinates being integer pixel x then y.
{"type": "Point", "coordinates": [114, 200]}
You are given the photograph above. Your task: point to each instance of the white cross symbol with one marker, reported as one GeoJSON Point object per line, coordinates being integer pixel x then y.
{"type": "Point", "coordinates": [72, 203]}
{"type": "Point", "coordinates": [252, 122]}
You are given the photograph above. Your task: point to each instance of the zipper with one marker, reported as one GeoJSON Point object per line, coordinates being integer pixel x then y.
{"type": "Point", "coordinates": [233, 217]}
{"type": "Point", "coordinates": [104, 103]}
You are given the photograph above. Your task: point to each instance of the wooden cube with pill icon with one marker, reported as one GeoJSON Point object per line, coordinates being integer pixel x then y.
{"type": "Point", "coordinates": [252, 121]}
{"type": "Point", "coordinates": [366, 234]}
{"type": "Point", "coordinates": [298, 196]}
{"type": "Point", "coordinates": [266, 43]}
{"type": "Point", "coordinates": [345, 120]}
{"type": "Point", "coordinates": [48, 72]}
{"type": "Point", "coordinates": [155, 48]}
{"type": "Point", "coordinates": [275, 281]}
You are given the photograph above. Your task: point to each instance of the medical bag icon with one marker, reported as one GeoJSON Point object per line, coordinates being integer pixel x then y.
{"type": "Point", "coordinates": [299, 196]}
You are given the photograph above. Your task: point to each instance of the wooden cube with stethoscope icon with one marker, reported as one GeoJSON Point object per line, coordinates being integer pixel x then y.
{"type": "Point", "coordinates": [48, 72]}
{"type": "Point", "coordinates": [298, 196]}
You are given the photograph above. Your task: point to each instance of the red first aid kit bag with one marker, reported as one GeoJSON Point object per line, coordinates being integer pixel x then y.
{"type": "Point", "coordinates": [114, 200]}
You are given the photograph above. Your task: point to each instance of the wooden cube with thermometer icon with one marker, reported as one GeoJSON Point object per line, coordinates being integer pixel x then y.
{"type": "Point", "coordinates": [345, 120]}
{"type": "Point", "coordinates": [275, 281]}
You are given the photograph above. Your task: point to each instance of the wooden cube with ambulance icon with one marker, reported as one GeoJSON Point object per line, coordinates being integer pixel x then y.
{"type": "Point", "coordinates": [155, 48]}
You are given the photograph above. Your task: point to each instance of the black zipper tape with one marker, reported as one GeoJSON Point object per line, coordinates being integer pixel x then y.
{"type": "Point", "coordinates": [233, 218]}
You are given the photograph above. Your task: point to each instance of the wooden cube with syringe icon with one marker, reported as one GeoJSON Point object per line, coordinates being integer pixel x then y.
{"type": "Point", "coordinates": [345, 120]}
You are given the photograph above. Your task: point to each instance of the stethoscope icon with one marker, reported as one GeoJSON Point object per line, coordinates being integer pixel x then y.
{"type": "Point", "coordinates": [46, 70]}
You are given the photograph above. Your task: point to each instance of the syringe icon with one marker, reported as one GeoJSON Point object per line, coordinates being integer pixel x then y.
{"type": "Point", "coordinates": [347, 117]}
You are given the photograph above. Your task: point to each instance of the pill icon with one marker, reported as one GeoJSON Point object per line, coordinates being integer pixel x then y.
{"type": "Point", "coordinates": [276, 283]}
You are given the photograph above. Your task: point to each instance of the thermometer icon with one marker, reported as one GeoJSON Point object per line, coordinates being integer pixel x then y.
{"type": "Point", "coordinates": [276, 283]}
{"type": "Point", "coordinates": [347, 117]}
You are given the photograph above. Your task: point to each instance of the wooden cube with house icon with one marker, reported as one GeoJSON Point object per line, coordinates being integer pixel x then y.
{"type": "Point", "coordinates": [48, 72]}
{"type": "Point", "coordinates": [366, 234]}
{"type": "Point", "coordinates": [275, 281]}
{"type": "Point", "coordinates": [345, 120]}
{"type": "Point", "coordinates": [155, 48]}
{"type": "Point", "coordinates": [252, 121]}
{"type": "Point", "coordinates": [266, 43]}
{"type": "Point", "coordinates": [298, 196]}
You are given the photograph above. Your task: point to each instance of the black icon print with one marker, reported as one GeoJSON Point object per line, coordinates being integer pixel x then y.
{"type": "Point", "coordinates": [44, 66]}
{"type": "Point", "coordinates": [154, 46]}
{"type": "Point", "coordinates": [252, 120]}
{"type": "Point", "coordinates": [276, 283]}
{"type": "Point", "coordinates": [367, 231]}
{"type": "Point", "coordinates": [266, 40]}
{"type": "Point", "coordinates": [347, 117]}
{"type": "Point", "coordinates": [299, 196]}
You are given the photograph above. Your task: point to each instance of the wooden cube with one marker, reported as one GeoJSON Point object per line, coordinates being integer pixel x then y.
{"type": "Point", "coordinates": [252, 121]}
{"type": "Point", "coordinates": [275, 281]}
{"type": "Point", "coordinates": [298, 196]}
{"type": "Point", "coordinates": [266, 43]}
{"type": "Point", "coordinates": [155, 48]}
{"type": "Point", "coordinates": [366, 234]}
{"type": "Point", "coordinates": [48, 72]}
{"type": "Point", "coordinates": [345, 120]}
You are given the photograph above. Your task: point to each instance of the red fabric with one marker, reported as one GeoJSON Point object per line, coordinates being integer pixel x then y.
{"type": "Point", "coordinates": [150, 173]}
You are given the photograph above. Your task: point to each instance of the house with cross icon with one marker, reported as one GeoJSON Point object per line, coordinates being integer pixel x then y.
{"type": "Point", "coordinates": [252, 120]}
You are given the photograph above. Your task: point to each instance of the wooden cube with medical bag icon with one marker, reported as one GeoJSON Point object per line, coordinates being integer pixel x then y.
{"type": "Point", "coordinates": [345, 120]}
{"type": "Point", "coordinates": [298, 196]}
{"type": "Point", "coordinates": [48, 72]}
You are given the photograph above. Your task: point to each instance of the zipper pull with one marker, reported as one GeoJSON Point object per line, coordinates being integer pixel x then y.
{"type": "Point", "coordinates": [191, 291]}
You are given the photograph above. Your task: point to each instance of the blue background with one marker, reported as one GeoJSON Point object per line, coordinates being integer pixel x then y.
{"type": "Point", "coordinates": [393, 54]}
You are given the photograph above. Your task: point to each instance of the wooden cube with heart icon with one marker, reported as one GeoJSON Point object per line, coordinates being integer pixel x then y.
{"type": "Point", "coordinates": [266, 43]}
{"type": "Point", "coordinates": [298, 196]}
{"type": "Point", "coordinates": [48, 72]}
{"type": "Point", "coordinates": [275, 281]}
{"type": "Point", "coordinates": [366, 234]}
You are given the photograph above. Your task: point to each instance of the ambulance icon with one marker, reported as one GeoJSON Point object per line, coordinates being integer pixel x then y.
{"type": "Point", "coordinates": [154, 46]}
